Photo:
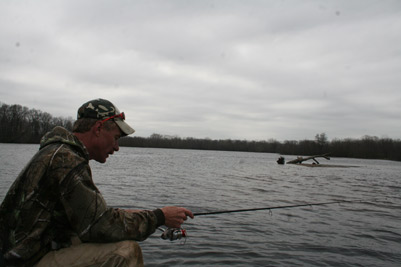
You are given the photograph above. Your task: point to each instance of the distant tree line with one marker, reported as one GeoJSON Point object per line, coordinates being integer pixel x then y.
{"type": "Point", "coordinates": [23, 125]}
{"type": "Point", "coordinates": [367, 147]}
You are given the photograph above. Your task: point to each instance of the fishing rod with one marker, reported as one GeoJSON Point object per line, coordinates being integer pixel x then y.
{"type": "Point", "coordinates": [173, 234]}
{"type": "Point", "coordinates": [285, 206]}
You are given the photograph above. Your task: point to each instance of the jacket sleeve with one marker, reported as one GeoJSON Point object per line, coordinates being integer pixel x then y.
{"type": "Point", "coordinates": [93, 221]}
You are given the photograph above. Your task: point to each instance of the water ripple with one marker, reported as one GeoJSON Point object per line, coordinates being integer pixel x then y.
{"type": "Point", "coordinates": [348, 234]}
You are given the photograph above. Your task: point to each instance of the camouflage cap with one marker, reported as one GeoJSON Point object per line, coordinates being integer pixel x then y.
{"type": "Point", "coordinates": [103, 109]}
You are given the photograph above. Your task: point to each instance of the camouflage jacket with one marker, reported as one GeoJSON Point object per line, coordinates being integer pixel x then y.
{"type": "Point", "coordinates": [54, 198]}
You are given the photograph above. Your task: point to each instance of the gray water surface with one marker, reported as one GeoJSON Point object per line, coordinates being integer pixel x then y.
{"type": "Point", "coordinates": [348, 234]}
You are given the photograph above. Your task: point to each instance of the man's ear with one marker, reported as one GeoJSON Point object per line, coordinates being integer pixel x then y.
{"type": "Point", "coordinates": [96, 128]}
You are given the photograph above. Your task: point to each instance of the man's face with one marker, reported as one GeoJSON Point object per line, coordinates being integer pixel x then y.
{"type": "Point", "coordinates": [106, 143]}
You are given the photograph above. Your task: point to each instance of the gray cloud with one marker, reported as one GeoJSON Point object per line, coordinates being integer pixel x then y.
{"type": "Point", "coordinates": [218, 69]}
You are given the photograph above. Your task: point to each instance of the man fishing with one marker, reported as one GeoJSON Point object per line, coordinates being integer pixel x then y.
{"type": "Point", "coordinates": [53, 214]}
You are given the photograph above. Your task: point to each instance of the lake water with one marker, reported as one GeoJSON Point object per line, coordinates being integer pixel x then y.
{"type": "Point", "coordinates": [351, 234]}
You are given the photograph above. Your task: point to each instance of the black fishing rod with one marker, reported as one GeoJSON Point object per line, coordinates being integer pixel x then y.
{"type": "Point", "coordinates": [285, 206]}
{"type": "Point", "coordinates": [178, 233]}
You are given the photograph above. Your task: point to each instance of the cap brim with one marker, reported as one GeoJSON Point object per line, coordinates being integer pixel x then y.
{"type": "Point", "coordinates": [124, 127]}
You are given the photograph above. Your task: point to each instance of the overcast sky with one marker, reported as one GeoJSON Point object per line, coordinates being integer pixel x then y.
{"type": "Point", "coordinates": [254, 70]}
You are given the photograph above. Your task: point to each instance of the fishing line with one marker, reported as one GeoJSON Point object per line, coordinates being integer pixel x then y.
{"type": "Point", "coordinates": [285, 206]}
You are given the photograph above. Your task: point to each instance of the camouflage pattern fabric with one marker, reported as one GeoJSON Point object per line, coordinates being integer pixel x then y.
{"type": "Point", "coordinates": [103, 109]}
{"type": "Point", "coordinates": [97, 109]}
{"type": "Point", "coordinates": [55, 198]}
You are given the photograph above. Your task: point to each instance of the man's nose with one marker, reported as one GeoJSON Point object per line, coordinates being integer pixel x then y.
{"type": "Point", "coordinates": [116, 146]}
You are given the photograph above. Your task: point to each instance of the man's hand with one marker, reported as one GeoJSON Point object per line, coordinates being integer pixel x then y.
{"type": "Point", "coordinates": [175, 216]}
